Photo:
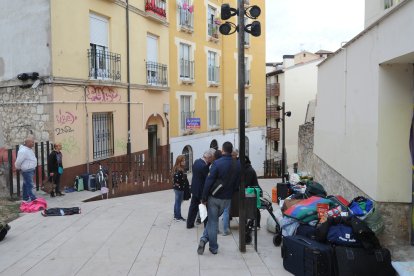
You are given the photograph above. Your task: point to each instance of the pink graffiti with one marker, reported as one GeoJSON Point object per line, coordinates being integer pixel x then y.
{"type": "Point", "coordinates": [102, 94]}
{"type": "Point", "coordinates": [66, 117]}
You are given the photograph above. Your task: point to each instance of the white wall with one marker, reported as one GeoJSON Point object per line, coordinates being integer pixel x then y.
{"type": "Point", "coordinates": [300, 87]}
{"type": "Point", "coordinates": [25, 25]}
{"type": "Point", "coordinates": [364, 107]}
{"type": "Point", "coordinates": [201, 142]}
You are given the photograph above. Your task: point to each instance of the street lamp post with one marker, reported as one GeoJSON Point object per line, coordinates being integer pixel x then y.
{"type": "Point", "coordinates": [254, 29]}
{"type": "Point", "coordinates": [284, 114]}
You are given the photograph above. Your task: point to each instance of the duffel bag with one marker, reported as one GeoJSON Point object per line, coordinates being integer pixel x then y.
{"type": "Point", "coordinates": [4, 228]}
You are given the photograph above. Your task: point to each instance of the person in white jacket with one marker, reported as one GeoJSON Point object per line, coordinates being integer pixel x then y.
{"type": "Point", "coordinates": [26, 163]}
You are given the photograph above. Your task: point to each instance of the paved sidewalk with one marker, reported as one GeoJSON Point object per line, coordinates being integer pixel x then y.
{"type": "Point", "coordinates": [133, 235]}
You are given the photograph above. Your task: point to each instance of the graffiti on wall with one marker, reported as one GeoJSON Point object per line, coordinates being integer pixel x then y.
{"type": "Point", "coordinates": [70, 145]}
{"type": "Point", "coordinates": [121, 145]}
{"type": "Point", "coordinates": [102, 94]}
{"type": "Point", "coordinates": [65, 119]}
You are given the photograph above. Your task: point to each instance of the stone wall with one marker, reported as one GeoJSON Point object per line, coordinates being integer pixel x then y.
{"type": "Point", "coordinates": [396, 215]}
{"type": "Point", "coordinates": [24, 111]}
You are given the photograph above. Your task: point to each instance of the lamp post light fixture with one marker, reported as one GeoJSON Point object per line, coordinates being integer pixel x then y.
{"type": "Point", "coordinates": [284, 114]}
{"type": "Point", "coordinates": [228, 28]}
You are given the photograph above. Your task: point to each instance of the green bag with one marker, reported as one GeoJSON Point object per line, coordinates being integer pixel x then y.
{"type": "Point", "coordinates": [79, 184]}
{"type": "Point", "coordinates": [256, 191]}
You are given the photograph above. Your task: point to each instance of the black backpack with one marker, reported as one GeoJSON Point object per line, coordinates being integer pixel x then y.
{"type": "Point", "coordinates": [4, 228]}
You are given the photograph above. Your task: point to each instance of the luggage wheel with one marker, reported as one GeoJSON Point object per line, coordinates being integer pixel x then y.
{"type": "Point", "coordinates": [277, 239]}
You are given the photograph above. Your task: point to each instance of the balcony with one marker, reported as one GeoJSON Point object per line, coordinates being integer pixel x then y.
{"type": "Point", "coordinates": [186, 18]}
{"type": "Point", "coordinates": [187, 71]}
{"type": "Point", "coordinates": [184, 116]}
{"type": "Point", "coordinates": [156, 10]}
{"type": "Point", "coordinates": [213, 30]}
{"type": "Point", "coordinates": [214, 119]}
{"type": "Point", "coordinates": [156, 74]}
{"type": "Point", "coordinates": [272, 90]}
{"type": "Point", "coordinates": [247, 80]}
{"type": "Point", "coordinates": [272, 112]}
{"type": "Point", "coordinates": [213, 75]}
{"type": "Point", "coordinates": [273, 133]}
{"type": "Point", "coordinates": [104, 65]}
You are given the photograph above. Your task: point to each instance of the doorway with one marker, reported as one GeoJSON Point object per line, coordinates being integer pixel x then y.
{"type": "Point", "coordinates": [152, 146]}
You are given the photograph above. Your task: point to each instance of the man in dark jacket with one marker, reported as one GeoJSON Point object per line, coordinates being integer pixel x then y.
{"type": "Point", "coordinates": [200, 172]}
{"type": "Point", "coordinates": [227, 170]}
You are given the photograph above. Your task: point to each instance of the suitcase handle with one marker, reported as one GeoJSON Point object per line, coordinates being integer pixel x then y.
{"type": "Point", "coordinates": [305, 241]}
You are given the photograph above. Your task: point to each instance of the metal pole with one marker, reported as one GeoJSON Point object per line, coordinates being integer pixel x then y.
{"type": "Point", "coordinates": [128, 88]}
{"type": "Point", "coordinates": [283, 143]}
{"type": "Point", "coordinates": [242, 119]}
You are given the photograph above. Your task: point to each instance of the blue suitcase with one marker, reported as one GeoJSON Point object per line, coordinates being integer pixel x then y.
{"type": "Point", "coordinates": [304, 256]}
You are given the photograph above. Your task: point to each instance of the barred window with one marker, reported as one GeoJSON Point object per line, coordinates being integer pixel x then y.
{"type": "Point", "coordinates": [103, 135]}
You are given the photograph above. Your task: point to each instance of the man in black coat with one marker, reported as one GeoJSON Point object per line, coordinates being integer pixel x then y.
{"type": "Point", "coordinates": [200, 172]}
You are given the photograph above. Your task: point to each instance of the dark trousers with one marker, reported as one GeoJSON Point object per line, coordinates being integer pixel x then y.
{"type": "Point", "coordinates": [56, 180]}
{"type": "Point", "coordinates": [193, 210]}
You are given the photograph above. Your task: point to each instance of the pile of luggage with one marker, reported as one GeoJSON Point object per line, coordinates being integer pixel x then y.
{"type": "Point", "coordinates": [328, 235]}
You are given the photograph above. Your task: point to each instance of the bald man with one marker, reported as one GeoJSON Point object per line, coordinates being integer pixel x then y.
{"type": "Point", "coordinates": [26, 163]}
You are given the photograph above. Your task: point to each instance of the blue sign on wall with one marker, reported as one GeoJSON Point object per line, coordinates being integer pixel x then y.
{"type": "Point", "coordinates": [192, 123]}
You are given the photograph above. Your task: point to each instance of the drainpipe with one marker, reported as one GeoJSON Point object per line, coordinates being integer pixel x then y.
{"type": "Point", "coordinates": [129, 85]}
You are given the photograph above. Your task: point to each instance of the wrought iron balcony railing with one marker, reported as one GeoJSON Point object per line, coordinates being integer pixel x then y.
{"type": "Point", "coordinates": [214, 118]}
{"type": "Point", "coordinates": [247, 80]}
{"type": "Point", "coordinates": [186, 19]}
{"type": "Point", "coordinates": [214, 75]}
{"type": "Point", "coordinates": [272, 89]}
{"type": "Point", "coordinates": [187, 70]}
{"type": "Point", "coordinates": [156, 6]}
{"type": "Point", "coordinates": [273, 133]}
{"type": "Point", "coordinates": [184, 116]}
{"type": "Point", "coordinates": [156, 74]}
{"type": "Point", "coordinates": [104, 65]}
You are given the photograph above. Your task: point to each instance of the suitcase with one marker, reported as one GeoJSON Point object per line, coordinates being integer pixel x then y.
{"type": "Point", "coordinates": [362, 262]}
{"type": "Point", "coordinates": [283, 191]}
{"type": "Point", "coordinates": [306, 230]}
{"type": "Point", "coordinates": [304, 256]}
{"type": "Point", "coordinates": [89, 182]}
{"type": "Point", "coordinates": [339, 200]}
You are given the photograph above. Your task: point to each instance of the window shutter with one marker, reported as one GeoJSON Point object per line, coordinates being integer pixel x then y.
{"type": "Point", "coordinates": [99, 30]}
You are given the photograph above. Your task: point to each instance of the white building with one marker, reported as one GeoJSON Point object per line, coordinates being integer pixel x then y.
{"type": "Point", "coordinates": [364, 104]}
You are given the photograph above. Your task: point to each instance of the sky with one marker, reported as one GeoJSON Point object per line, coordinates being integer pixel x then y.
{"type": "Point", "coordinates": [310, 25]}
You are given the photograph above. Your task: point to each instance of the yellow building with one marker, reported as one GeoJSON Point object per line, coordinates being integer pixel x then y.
{"type": "Point", "coordinates": [203, 82]}
{"type": "Point", "coordinates": [102, 89]}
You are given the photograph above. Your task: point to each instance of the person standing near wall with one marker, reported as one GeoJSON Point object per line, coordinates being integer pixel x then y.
{"type": "Point", "coordinates": [179, 178]}
{"type": "Point", "coordinates": [26, 163]}
{"type": "Point", "coordinates": [200, 172]}
{"type": "Point", "coordinates": [55, 168]}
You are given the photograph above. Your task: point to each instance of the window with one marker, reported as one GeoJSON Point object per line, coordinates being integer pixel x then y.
{"type": "Point", "coordinates": [212, 22]}
{"type": "Point", "coordinates": [185, 102]}
{"type": "Point", "coordinates": [99, 55]}
{"type": "Point", "coordinates": [186, 64]}
{"type": "Point", "coordinates": [246, 71]}
{"type": "Point", "coordinates": [213, 70]}
{"type": "Point", "coordinates": [188, 153]}
{"type": "Point", "coordinates": [185, 12]}
{"type": "Point", "coordinates": [246, 34]}
{"type": "Point", "coordinates": [214, 144]}
{"type": "Point", "coordinates": [246, 110]}
{"type": "Point", "coordinates": [103, 135]}
{"type": "Point", "coordinates": [152, 60]}
{"type": "Point", "coordinates": [213, 112]}
{"type": "Point", "coordinates": [246, 146]}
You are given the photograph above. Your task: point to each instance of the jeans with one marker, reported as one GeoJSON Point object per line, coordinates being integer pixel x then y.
{"type": "Point", "coordinates": [28, 185]}
{"type": "Point", "coordinates": [226, 218]}
{"type": "Point", "coordinates": [177, 204]}
{"type": "Point", "coordinates": [215, 208]}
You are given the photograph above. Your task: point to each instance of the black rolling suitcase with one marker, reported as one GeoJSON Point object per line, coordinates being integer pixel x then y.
{"type": "Point", "coordinates": [353, 261]}
{"type": "Point", "coordinates": [303, 256]}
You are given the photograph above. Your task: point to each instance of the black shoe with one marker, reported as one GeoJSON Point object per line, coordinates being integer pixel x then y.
{"type": "Point", "coordinates": [182, 219]}
{"type": "Point", "coordinates": [190, 226]}
{"type": "Point", "coordinates": [59, 194]}
{"type": "Point", "coordinates": [213, 251]}
{"type": "Point", "coordinates": [201, 246]}
{"type": "Point", "coordinates": [52, 194]}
